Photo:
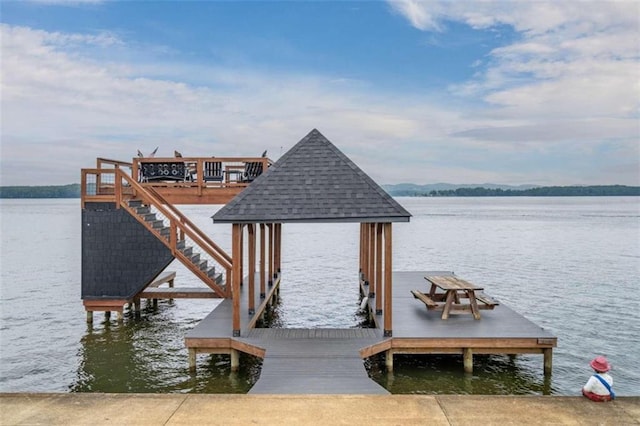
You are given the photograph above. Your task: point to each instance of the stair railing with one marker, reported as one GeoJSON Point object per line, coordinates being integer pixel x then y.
{"type": "Point", "coordinates": [177, 222]}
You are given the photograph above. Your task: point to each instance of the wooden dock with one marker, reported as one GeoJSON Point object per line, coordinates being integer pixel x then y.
{"type": "Point", "coordinates": [314, 361]}
{"type": "Point", "coordinates": [418, 330]}
{"type": "Point", "coordinates": [330, 361]}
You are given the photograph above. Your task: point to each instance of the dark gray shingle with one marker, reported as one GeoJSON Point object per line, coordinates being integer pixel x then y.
{"type": "Point", "coordinates": [313, 182]}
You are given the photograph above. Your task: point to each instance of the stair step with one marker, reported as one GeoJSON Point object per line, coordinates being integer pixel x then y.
{"type": "Point", "coordinates": [149, 217]}
{"type": "Point", "coordinates": [211, 272]}
{"type": "Point", "coordinates": [202, 265]}
{"type": "Point", "coordinates": [165, 232]}
{"type": "Point", "coordinates": [180, 245]}
{"type": "Point", "coordinates": [143, 209]}
{"type": "Point", "coordinates": [187, 251]}
{"type": "Point", "coordinates": [195, 258]}
{"type": "Point", "coordinates": [217, 278]}
{"type": "Point", "coordinates": [135, 203]}
{"type": "Point", "coordinates": [157, 224]}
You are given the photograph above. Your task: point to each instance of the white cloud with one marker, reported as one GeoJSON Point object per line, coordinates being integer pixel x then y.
{"type": "Point", "coordinates": [572, 74]}
{"type": "Point", "coordinates": [63, 107]}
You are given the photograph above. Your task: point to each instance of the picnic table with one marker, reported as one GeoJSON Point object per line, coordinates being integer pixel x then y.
{"type": "Point", "coordinates": [447, 292]}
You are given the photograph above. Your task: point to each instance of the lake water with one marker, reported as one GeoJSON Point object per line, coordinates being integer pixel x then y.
{"type": "Point", "coordinates": [571, 265]}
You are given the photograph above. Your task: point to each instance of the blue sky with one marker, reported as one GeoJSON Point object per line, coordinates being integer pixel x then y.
{"type": "Point", "coordinates": [424, 92]}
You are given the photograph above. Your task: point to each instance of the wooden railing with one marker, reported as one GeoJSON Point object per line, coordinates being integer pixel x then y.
{"type": "Point", "coordinates": [180, 226]}
{"type": "Point", "coordinates": [199, 171]}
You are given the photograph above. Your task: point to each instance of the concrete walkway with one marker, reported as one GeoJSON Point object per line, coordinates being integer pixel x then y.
{"type": "Point", "coordinates": [192, 409]}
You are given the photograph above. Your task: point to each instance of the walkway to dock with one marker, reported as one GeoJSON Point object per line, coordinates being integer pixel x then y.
{"type": "Point", "coordinates": [180, 409]}
{"type": "Point", "coordinates": [314, 361]}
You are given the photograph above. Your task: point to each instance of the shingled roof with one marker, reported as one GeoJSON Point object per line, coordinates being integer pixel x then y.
{"type": "Point", "coordinates": [312, 182]}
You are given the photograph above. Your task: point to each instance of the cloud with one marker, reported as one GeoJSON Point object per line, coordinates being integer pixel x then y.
{"type": "Point", "coordinates": [68, 98]}
{"type": "Point", "coordinates": [570, 75]}
{"type": "Point", "coordinates": [64, 104]}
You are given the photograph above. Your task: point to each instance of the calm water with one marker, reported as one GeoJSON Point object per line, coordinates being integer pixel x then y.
{"type": "Point", "coordinates": [571, 265]}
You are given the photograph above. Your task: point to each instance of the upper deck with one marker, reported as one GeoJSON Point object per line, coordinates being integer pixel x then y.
{"type": "Point", "coordinates": [179, 180]}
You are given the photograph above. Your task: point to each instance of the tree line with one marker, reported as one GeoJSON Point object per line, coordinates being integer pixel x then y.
{"type": "Point", "coordinates": [73, 191]}
{"type": "Point", "coordinates": [51, 191]}
{"type": "Point", "coordinates": [543, 191]}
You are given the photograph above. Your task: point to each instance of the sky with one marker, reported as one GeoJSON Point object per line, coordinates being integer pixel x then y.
{"type": "Point", "coordinates": [464, 92]}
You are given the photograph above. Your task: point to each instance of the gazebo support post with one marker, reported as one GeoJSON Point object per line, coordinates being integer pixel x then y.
{"type": "Point", "coordinates": [252, 267]}
{"type": "Point", "coordinates": [236, 256]}
{"type": "Point", "coordinates": [270, 256]}
{"type": "Point", "coordinates": [378, 268]}
{"type": "Point", "coordinates": [388, 284]}
{"type": "Point", "coordinates": [263, 275]}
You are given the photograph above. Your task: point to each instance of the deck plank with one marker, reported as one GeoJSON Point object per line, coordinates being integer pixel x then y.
{"type": "Point", "coordinates": [314, 361]}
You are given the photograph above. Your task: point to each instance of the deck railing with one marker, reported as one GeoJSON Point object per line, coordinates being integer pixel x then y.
{"type": "Point", "coordinates": [190, 176]}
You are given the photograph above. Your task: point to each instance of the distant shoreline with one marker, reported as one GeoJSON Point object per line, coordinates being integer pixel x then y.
{"type": "Point", "coordinates": [403, 190]}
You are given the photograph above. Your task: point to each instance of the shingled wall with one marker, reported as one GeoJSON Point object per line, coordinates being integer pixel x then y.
{"type": "Point", "coordinates": [119, 255]}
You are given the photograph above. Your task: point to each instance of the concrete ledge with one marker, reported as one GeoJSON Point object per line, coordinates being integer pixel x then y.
{"type": "Point", "coordinates": [213, 409]}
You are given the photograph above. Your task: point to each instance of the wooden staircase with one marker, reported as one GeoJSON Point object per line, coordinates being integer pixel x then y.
{"type": "Point", "coordinates": [185, 240]}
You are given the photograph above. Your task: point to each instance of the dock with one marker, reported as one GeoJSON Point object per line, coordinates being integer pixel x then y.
{"type": "Point", "coordinates": [331, 361]}
{"type": "Point", "coordinates": [132, 231]}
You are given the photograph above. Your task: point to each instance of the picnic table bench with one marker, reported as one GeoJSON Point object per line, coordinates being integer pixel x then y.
{"type": "Point", "coordinates": [454, 289]}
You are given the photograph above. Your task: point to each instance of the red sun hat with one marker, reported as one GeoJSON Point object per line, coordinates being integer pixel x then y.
{"type": "Point", "coordinates": [600, 364]}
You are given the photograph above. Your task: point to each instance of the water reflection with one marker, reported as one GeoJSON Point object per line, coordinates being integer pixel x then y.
{"type": "Point", "coordinates": [444, 374]}
{"type": "Point", "coordinates": [146, 353]}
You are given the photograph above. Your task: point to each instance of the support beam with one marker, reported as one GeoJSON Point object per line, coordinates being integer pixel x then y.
{"type": "Point", "coordinates": [192, 359]}
{"type": "Point", "coordinates": [548, 360]}
{"type": "Point", "coordinates": [388, 282]}
{"type": "Point", "coordinates": [467, 360]}
{"type": "Point", "coordinates": [270, 254]}
{"type": "Point", "coordinates": [263, 277]}
{"type": "Point", "coordinates": [235, 360]}
{"type": "Point", "coordinates": [236, 256]}
{"type": "Point", "coordinates": [252, 268]}
{"type": "Point", "coordinates": [278, 249]}
{"type": "Point", "coordinates": [378, 268]}
{"type": "Point", "coordinates": [90, 317]}
{"type": "Point", "coordinates": [388, 360]}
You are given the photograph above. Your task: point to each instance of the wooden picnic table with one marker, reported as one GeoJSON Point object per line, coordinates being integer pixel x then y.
{"type": "Point", "coordinates": [454, 289]}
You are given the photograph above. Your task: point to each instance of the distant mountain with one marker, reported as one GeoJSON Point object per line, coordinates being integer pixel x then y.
{"type": "Point", "coordinates": [411, 189]}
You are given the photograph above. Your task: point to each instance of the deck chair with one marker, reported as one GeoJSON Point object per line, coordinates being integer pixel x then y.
{"type": "Point", "coordinates": [213, 171]}
{"type": "Point", "coordinates": [252, 169]}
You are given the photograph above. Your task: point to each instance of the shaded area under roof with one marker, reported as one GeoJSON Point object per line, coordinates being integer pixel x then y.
{"type": "Point", "coordinates": [312, 182]}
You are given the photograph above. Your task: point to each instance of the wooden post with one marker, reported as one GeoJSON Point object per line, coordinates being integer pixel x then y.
{"type": "Point", "coordinates": [277, 249]}
{"type": "Point", "coordinates": [235, 360]}
{"type": "Point", "coordinates": [107, 315]}
{"type": "Point", "coordinates": [548, 360]}
{"type": "Point", "coordinates": [361, 269]}
{"type": "Point", "coordinates": [192, 359]}
{"type": "Point", "coordinates": [241, 255]}
{"type": "Point", "coordinates": [236, 253]}
{"type": "Point", "coordinates": [270, 256]}
{"type": "Point", "coordinates": [252, 268]}
{"type": "Point", "coordinates": [121, 317]}
{"type": "Point", "coordinates": [467, 360]}
{"type": "Point", "coordinates": [388, 284]}
{"type": "Point", "coordinates": [371, 255]}
{"type": "Point", "coordinates": [378, 268]}
{"type": "Point", "coordinates": [263, 292]}
{"type": "Point", "coordinates": [90, 317]}
{"type": "Point", "coordinates": [388, 360]}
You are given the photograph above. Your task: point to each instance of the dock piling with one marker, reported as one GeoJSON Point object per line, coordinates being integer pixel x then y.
{"type": "Point", "coordinates": [467, 360]}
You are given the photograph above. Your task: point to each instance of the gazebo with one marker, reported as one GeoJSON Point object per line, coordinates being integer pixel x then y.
{"type": "Point", "coordinates": [311, 183]}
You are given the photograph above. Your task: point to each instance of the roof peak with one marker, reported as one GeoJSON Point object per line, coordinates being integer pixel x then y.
{"type": "Point", "coordinates": [313, 181]}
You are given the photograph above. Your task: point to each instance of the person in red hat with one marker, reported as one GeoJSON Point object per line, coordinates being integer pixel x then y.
{"type": "Point", "coordinates": [599, 386]}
